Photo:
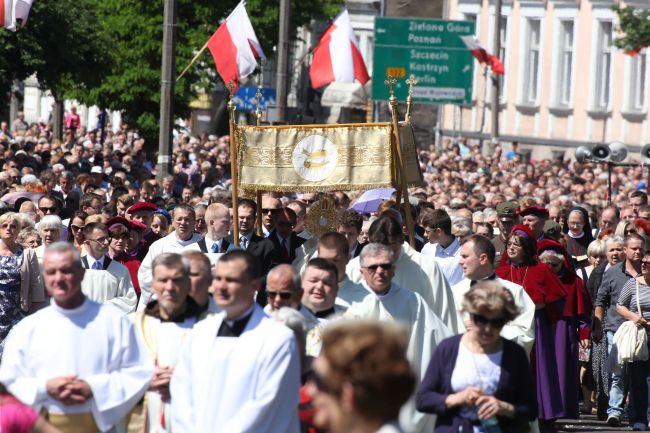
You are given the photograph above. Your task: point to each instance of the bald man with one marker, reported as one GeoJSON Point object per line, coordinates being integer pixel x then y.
{"type": "Point", "coordinates": [217, 220]}
{"type": "Point", "coordinates": [283, 288]}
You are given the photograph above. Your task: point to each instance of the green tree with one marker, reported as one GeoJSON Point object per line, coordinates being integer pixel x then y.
{"type": "Point", "coordinates": [634, 25]}
{"type": "Point", "coordinates": [133, 31]}
{"type": "Point", "coordinates": [58, 44]}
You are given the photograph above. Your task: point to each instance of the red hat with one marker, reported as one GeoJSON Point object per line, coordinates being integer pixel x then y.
{"type": "Point", "coordinates": [137, 226]}
{"type": "Point", "coordinates": [142, 205]}
{"type": "Point", "coordinates": [537, 211]}
{"type": "Point", "coordinates": [117, 220]}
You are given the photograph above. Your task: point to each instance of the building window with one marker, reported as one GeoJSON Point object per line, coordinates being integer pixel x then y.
{"type": "Point", "coordinates": [565, 63]}
{"type": "Point", "coordinates": [603, 65]}
{"type": "Point", "coordinates": [531, 73]}
{"type": "Point", "coordinates": [638, 78]}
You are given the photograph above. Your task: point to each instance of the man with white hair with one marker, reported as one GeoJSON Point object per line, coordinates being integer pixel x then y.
{"type": "Point", "coordinates": [390, 302]}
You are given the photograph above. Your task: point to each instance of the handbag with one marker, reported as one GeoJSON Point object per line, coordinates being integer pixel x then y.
{"type": "Point", "coordinates": [630, 340]}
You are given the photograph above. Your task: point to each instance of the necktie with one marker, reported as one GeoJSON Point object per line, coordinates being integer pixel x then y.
{"type": "Point", "coordinates": [285, 251]}
{"type": "Point", "coordinates": [215, 247]}
{"type": "Point", "coordinates": [97, 265]}
{"type": "Point", "coordinates": [243, 242]}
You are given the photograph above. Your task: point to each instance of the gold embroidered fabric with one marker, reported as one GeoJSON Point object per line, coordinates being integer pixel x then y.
{"type": "Point", "coordinates": [304, 158]}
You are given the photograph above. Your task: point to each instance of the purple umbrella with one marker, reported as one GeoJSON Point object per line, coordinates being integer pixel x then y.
{"type": "Point", "coordinates": [10, 198]}
{"type": "Point", "coordinates": [370, 200]}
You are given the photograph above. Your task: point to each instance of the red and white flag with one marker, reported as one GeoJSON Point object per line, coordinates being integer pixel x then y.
{"type": "Point", "coordinates": [235, 47]}
{"type": "Point", "coordinates": [337, 56]}
{"type": "Point", "coordinates": [482, 55]}
{"type": "Point", "coordinates": [13, 10]}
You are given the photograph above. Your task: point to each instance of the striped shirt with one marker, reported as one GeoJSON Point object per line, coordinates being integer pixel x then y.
{"type": "Point", "coordinates": [628, 298]}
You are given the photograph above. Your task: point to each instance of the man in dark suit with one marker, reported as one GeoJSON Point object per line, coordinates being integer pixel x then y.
{"type": "Point", "coordinates": [248, 240]}
{"type": "Point", "coordinates": [349, 223]}
{"type": "Point", "coordinates": [280, 245]}
{"type": "Point", "coordinates": [69, 198]}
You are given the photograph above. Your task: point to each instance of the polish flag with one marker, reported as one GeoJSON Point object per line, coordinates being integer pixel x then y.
{"type": "Point", "coordinates": [13, 10]}
{"type": "Point", "coordinates": [337, 56]}
{"type": "Point", "coordinates": [482, 55]}
{"type": "Point", "coordinates": [235, 47]}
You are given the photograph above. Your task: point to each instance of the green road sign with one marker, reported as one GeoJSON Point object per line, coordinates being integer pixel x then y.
{"type": "Point", "coordinates": [432, 51]}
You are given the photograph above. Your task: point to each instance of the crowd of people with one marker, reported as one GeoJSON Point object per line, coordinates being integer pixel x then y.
{"type": "Point", "coordinates": [127, 305]}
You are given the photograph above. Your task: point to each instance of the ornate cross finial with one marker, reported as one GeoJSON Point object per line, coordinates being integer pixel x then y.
{"type": "Point", "coordinates": [231, 87]}
{"type": "Point", "coordinates": [411, 82]}
{"type": "Point", "coordinates": [409, 99]}
{"type": "Point", "coordinates": [258, 112]}
{"type": "Point", "coordinates": [390, 82]}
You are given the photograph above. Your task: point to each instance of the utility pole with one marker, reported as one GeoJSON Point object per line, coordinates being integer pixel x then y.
{"type": "Point", "coordinates": [283, 59]}
{"type": "Point", "coordinates": [167, 90]}
{"type": "Point", "coordinates": [496, 48]}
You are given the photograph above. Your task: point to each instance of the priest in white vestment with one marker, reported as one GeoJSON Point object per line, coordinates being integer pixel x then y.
{"type": "Point", "coordinates": [413, 271]}
{"type": "Point", "coordinates": [181, 239]}
{"type": "Point", "coordinates": [78, 361]}
{"type": "Point", "coordinates": [239, 370]}
{"type": "Point", "coordinates": [163, 327]}
{"type": "Point", "coordinates": [284, 289]}
{"type": "Point", "coordinates": [105, 280]}
{"type": "Point", "coordinates": [390, 302]}
{"type": "Point", "coordinates": [477, 259]}
{"type": "Point", "coordinates": [336, 248]}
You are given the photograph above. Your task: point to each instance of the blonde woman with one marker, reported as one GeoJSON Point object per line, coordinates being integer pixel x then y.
{"type": "Point", "coordinates": [21, 287]}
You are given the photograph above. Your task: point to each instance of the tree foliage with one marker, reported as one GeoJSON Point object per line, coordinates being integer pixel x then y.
{"type": "Point", "coordinates": [109, 52]}
{"type": "Point", "coordinates": [134, 30]}
{"type": "Point", "coordinates": [58, 44]}
{"type": "Point", "coordinates": [634, 25]}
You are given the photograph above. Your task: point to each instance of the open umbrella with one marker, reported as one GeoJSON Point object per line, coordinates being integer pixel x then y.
{"type": "Point", "coordinates": [11, 197]}
{"type": "Point", "coordinates": [370, 200]}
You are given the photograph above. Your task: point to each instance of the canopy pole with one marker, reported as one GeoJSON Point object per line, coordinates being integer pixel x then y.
{"type": "Point", "coordinates": [233, 166]}
{"type": "Point", "coordinates": [400, 161]}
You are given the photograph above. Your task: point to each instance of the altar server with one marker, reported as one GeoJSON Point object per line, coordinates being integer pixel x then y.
{"type": "Point", "coordinates": [105, 279]}
{"type": "Point", "coordinates": [239, 370]}
{"type": "Point", "coordinates": [77, 361]}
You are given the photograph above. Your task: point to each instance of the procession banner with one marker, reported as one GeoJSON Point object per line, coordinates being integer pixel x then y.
{"type": "Point", "coordinates": [306, 158]}
{"type": "Point", "coordinates": [410, 153]}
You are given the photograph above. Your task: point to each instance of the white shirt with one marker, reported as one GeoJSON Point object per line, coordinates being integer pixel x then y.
{"type": "Point", "coordinates": [95, 342]}
{"type": "Point", "coordinates": [112, 285]}
{"type": "Point", "coordinates": [447, 259]}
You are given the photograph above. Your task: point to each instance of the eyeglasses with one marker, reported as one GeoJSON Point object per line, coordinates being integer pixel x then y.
{"type": "Point", "coordinates": [267, 210]}
{"type": "Point", "coordinates": [384, 266]}
{"type": "Point", "coordinates": [484, 321]}
{"type": "Point", "coordinates": [76, 228]}
{"type": "Point", "coordinates": [48, 209]}
{"type": "Point", "coordinates": [319, 382]}
{"type": "Point", "coordinates": [645, 263]}
{"type": "Point", "coordinates": [102, 240]}
{"type": "Point", "coordinates": [285, 296]}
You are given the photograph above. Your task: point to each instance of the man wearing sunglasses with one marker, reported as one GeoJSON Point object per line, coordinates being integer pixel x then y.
{"type": "Point", "coordinates": [477, 256]}
{"type": "Point", "coordinates": [105, 280]}
{"type": "Point", "coordinates": [390, 302]}
{"type": "Point", "coordinates": [283, 289]}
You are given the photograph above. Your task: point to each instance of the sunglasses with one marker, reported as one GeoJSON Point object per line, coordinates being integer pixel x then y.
{"type": "Point", "coordinates": [384, 266]}
{"type": "Point", "coordinates": [285, 296]}
{"type": "Point", "coordinates": [47, 209]}
{"type": "Point", "coordinates": [267, 210]}
{"type": "Point", "coordinates": [74, 227]}
{"type": "Point", "coordinates": [319, 382]}
{"type": "Point", "coordinates": [484, 321]}
{"type": "Point", "coordinates": [645, 263]}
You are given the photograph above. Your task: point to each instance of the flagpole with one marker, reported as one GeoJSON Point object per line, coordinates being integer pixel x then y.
{"type": "Point", "coordinates": [233, 165]}
{"type": "Point", "coordinates": [258, 121]}
{"type": "Point", "coordinates": [196, 57]}
{"type": "Point", "coordinates": [400, 161]}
